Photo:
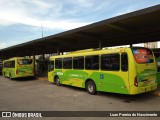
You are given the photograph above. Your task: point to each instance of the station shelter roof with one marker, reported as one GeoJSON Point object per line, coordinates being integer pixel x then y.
{"type": "Point", "coordinates": [136, 27]}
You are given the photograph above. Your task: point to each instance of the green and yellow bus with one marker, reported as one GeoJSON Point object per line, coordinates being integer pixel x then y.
{"type": "Point", "coordinates": [157, 58]}
{"type": "Point", "coordinates": [121, 70]}
{"type": "Point", "coordinates": [18, 67]}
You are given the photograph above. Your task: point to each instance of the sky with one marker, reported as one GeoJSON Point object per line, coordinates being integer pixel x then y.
{"type": "Point", "coordinates": [23, 20]}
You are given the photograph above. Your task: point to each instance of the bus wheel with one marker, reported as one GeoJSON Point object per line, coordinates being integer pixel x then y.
{"type": "Point", "coordinates": [91, 88]}
{"type": "Point", "coordinates": [57, 81]}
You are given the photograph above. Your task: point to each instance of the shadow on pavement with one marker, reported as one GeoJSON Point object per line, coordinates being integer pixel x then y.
{"type": "Point", "coordinates": [122, 97]}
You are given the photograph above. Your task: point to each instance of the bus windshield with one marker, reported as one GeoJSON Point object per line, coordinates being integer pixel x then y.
{"type": "Point", "coordinates": [24, 61]}
{"type": "Point", "coordinates": [143, 55]}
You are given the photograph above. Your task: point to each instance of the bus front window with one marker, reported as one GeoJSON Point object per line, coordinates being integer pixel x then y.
{"type": "Point", "coordinates": [142, 55]}
{"type": "Point", "coordinates": [51, 66]}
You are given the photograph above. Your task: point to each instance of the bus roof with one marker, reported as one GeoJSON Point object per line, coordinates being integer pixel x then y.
{"type": "Point", "coordinates": [95, 51]}
{"type": "Point", "coordinates": [91, 52]}
{"type": "Point", "coordinates": [14, 58]}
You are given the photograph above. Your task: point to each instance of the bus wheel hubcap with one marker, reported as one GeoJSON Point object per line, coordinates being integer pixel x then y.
{"type": "Point", "coordinates": [90, 88]}
{"type": "Point", "coordinates": [57, 80]}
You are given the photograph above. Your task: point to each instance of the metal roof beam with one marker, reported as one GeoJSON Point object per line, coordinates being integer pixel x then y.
{"type": "Point", "coordinates": [123, 27]}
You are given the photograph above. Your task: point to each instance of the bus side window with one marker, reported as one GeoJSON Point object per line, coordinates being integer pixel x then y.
{"type": "Point", "coordinates": [12, 64]}
{"type": "Point", "coordinates": [124, 62]}
{"type": "Point", "coordinates": [58, 63]}
{"type": "Point", "coordinates": [78, 62]}
{"type": "Point", "coordinates": [88, 62]}
{"type": "Point", "coordinates": [51, 66]}
{"type": "Point", "coordinates": [67, 63]}
{"type": "Point", "coordinates": [92, 62]}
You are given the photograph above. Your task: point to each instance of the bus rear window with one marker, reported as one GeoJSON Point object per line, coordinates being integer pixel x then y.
{"type": "Point", "coordinates": [24, 61]}
{"type": "Point", "coordinates": [142, 55]}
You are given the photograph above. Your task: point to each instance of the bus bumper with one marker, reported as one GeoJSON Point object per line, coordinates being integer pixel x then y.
{"type": "Point", "coordinates": [147, 88]}
{"type": "Point", "coordinates": [139, 90]}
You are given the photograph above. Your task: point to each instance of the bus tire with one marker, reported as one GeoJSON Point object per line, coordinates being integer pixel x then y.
{"type": "Point", "coordinates": [91, 87]}
{"type": "Point", "coordinates": [57, 81]}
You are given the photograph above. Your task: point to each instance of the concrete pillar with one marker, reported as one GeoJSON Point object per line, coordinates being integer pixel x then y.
{"type": "Point", "coordinates": [43, 59]}
{"type": "Point", "coordinates": [58, 51]}
{"type": "Point", "coordinates": [100, 44]}
{"type": "Point", "coordinates": [34, 60]}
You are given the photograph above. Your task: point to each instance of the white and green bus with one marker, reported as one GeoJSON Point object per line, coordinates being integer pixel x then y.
{"type": "Point", "coordinates": [121, 70]}
{"type": "Point", "coordinates": [18, 67]}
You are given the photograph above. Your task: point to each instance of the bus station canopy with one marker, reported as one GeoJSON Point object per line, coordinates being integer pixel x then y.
{"type": "Point", "coordinates": [131, 28]}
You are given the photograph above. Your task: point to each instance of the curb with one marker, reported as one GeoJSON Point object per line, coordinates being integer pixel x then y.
{"type": "Point", "coordinates": [156, 93]}
{"type": "Point", "coordinates": [42, 78]}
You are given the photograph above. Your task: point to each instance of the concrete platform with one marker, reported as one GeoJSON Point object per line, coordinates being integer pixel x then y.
{"type": "Point", "coordinates": [157, 92]}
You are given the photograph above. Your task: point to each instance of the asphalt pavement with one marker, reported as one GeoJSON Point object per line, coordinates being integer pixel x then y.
{"type": "Point", "coordinates": [40, 95]}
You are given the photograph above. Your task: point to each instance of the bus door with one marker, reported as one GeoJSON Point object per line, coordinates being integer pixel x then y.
{"type": "Point", "coordinates": [124, 70]}
{"type": "Point", "coordinates": [50, 71]}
